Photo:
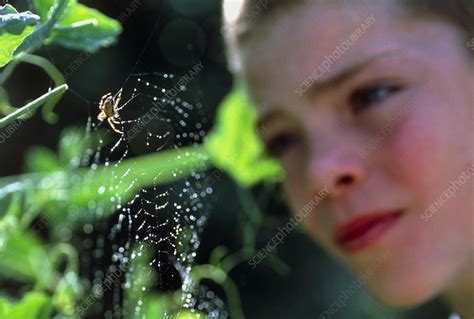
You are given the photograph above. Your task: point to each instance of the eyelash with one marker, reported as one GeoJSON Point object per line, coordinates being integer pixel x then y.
{"type": "Point", "coordinates": [364, 98]}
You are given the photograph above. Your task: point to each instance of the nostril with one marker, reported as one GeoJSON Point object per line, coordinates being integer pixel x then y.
{"type": "Point", "coordinates": [345, 180]}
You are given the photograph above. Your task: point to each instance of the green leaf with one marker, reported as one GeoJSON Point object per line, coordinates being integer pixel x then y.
{"type": "Point", "coordinates": [72, 190]}
{"type": "Point", "coordinates": [73, 144]}
{"type": "Point", "coordinates": [14, 207]}
{"type": "Point", "coordinates": [67, 292]}
{"type": "Point", "coordinates": [4, 308]}
{"type": "Point", "coordinates": [6, 9]}
{"type": "Point", "coordinates": [81, 27]}
{"type": "Point", "coordinates": [34, 305]}
{"type": "Point", "coordinates": [13, 22]}
{"type": "Point", "coordinates": [71, 147]}
{"type": "Point", "coordinates": [14, 28]}
{"type": "Point", "coordinates": [143, 278]}
{"type": "Point", "coordinates": [42, 7]}
{"type": "Point", "coordinates": [41, 159]}
{"type": "Point", "coordinates": [54, 95]}
{"type": "Point", "coordinates": [234, 146]}
{"type": "Point", "coordinates": [80, 32]}
{"type": "Point", "coordinates": [154, 307]}
{"type": "Point", "coordinates": [43, 30]}
{"type": "Point", "coordinates": [136, 173]}
{"type": "Point", "coordinates": [189, 315]}
{"type": "Point", "coordinates": [22, 255]}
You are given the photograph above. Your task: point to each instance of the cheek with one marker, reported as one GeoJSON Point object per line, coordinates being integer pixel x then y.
{"type": "Point", "coordinates": [420, 151]}
{"type": "Point", "coordinates": [423, 155]}
{"type": "Point", "coordinates": [294, 184]}
{"type": "Point", "coordinates": [296, 190]}
{"type": "Point", "coordinates": [294, 163]}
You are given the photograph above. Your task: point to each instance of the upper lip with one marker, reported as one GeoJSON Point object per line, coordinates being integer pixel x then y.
{"type": "Point", "coordinates": [358, 226]}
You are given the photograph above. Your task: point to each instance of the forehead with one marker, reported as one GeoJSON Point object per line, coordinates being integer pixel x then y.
{"type": "Point", "coordinates": [290, 46]}
{"type": "Point", "coordinates": [286, 51]}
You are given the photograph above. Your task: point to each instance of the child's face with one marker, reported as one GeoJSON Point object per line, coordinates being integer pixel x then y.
{"type": "Point", "coordinates": [385, 127]}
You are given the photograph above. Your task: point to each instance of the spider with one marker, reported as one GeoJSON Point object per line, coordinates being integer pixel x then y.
{"type": "Point", "coordinates": [109, 109]}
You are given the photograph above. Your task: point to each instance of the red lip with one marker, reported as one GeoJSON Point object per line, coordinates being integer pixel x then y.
{"type": "Point", "coordinates": [363, 231]}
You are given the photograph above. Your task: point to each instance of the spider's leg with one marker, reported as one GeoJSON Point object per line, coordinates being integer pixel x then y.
{"type": "Point", "coordinates": [102, 100]}
{"type": "Point", "coordinates": [152, 73]}
{"type": "Point", "coordinates": [119, 121]}
{"type": "Point", "coordinates": [128, 121]}
{"type": "Point", "coordinates": [118, 95]}
{"type": "Point", "coordinates": [129, 100]}
{"type": "Point", "coordinates": [111, 123]}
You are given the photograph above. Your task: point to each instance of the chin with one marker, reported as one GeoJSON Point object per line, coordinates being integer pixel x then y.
{"type": "Point", "coordinates": [403, 291]}
{"type": "Point", "coordinates": [414, 272]}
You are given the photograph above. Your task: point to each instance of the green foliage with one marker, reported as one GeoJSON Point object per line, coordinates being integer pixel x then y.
{"type": "Point", "coordinates": [58, 191]}
{"type": "Point", "coordinates": [235, 148]}
{"type": "Point", "coordinates": [22, 256]}
{"type": "Point", "coordinates": [62, 191]}
{"type": "Point", "coordinates": [41, 159]}
{"type": "Point", "coordinates": [154, 306]}
{"type": "Point", "coordinates": [13, 22]}
{"type": "Point", "coordinates": [43, 30]}
{"type": "Point", "coordinates": [14, 28]}
{"type": "Point", "coordinates": [234, 145]}
{"type": "Point", "coordinates": [62, 22]}
{"type": "Point", "coordinates": [49, 98]}
{"type": "Point", "coordinates": [67, 291]}
{"type": "Point", "coordinates": [34, 305]}
{"type": "Point", "coordinates": [80, 27]}
{"type": "Point", "coordinates": [72, 145]}
{"type": "Point", "coordinates": [189, 315]}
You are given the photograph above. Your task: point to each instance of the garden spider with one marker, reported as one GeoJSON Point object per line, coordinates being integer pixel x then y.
{"type": "Point", "coordinates": [109, 109]}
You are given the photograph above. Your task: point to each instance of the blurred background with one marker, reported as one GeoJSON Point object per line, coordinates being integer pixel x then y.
{"type": "Point", "coordinates": [170, 36]}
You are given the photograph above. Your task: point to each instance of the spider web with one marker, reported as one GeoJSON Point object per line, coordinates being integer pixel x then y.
{"type": "Point", "coordinates": [166, 219]}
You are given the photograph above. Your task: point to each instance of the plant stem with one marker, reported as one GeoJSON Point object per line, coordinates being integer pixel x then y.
{"type": "Point", "coordinates": [33, 105]}
{"type": "Point", "coordinates": [7, 71]}
{"type": "Point", "coordinates": [45, 64]}
{"type": "Point", "coordinates": [68, 251]}
{"type": "Point", "coordinates": [220, 277]}
{"type": "Point", "coordinates": [51, 278]}
{"type": "Point", "coordinates": [54, 73]}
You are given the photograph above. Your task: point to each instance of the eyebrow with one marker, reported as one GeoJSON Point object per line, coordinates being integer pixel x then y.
{"type": "Point", "coordinates": [336, 80]}
{"type": "Point", "coordinates": [346, 74]}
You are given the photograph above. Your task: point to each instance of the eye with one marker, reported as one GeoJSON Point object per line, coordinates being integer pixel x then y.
{"type": "Point", "coordinates": [282, 143]}
{"type": "Point", "coordinates": [369, 96]}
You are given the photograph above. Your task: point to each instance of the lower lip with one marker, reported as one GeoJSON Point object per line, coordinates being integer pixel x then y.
{"type": "Point", "coordinates": [371, 235]}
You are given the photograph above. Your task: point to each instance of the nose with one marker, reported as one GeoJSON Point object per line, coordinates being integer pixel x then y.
{"type": "Point", "coordinates": [338, 170]}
